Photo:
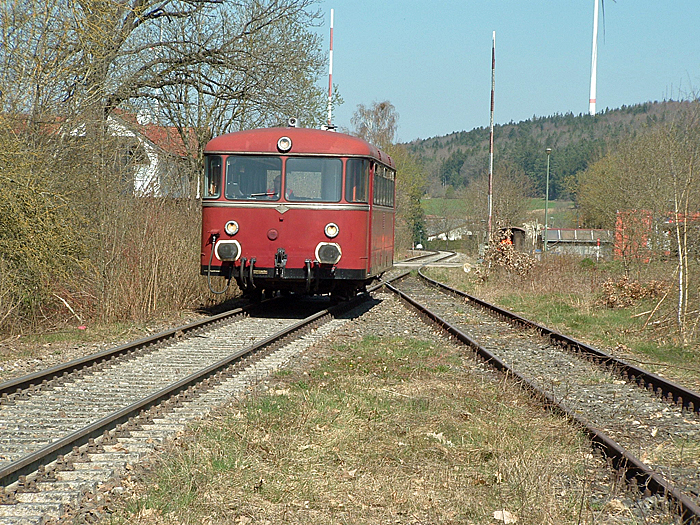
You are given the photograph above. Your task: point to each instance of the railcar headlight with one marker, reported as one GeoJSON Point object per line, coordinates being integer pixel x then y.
{"type": "Point", "coordinates": [227, 250]}
{"type": "Point", "coordinates": [231, 228]}
{"type": "Point", "coordinates": [328, 252]}
{"type": "Point", "coordinates": [331, 230]}
{"type": "Point", "coordinates": [284, 144]}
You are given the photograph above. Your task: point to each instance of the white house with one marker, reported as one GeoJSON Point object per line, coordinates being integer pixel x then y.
{"type": "Point", "coordinates": [155, 155]}
{"type": "Point", "coordinates": [159, 170]}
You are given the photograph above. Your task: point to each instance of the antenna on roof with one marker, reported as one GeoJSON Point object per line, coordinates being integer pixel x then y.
{"type": "Point", "coordinates": [330, 126]}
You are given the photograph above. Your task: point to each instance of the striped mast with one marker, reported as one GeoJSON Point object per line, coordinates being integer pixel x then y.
{"type": "Point", "coordinates": [330, 79]}
{"type": "Point", "coordinates": [493, 89]}
{"type": "Point", "coordinates": [594, 61]}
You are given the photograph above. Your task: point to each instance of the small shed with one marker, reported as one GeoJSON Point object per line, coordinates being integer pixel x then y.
{"type": "Point", "coordinates": [517, 237]}
{"type": "Point", "coordinates": [580, 241]}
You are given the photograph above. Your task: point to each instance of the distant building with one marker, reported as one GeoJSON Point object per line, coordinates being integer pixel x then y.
{"type": "Point", "coordinates": [640, 235]}
{"type": "Point", "coordinates": [580, 241]}
{"type": "Point", "coordinates": [154, 157]}
{"type": "Point", "coordinates": [159, 155]}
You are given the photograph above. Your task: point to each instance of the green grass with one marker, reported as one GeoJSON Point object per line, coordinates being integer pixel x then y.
{"type": "Point", "coordinates": [606, 327]}
{"type": "Point", "coordinates": [442, 207]}
{"type": "Point", "coordinates": [556, 309]}
{"type": "Point", "coordinates": [562, 212]}
{"type": "Point", "coordinates": [538, 204]}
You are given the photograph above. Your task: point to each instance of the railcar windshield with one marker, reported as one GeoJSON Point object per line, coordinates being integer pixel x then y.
{"type": "Point", "coordinates": [250, 177]}
{"type": "Point", "coordinates": [315, 179]}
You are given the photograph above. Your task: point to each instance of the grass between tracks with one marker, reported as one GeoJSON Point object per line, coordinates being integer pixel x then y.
{"type": "Point", "coordinates": [375, 430]}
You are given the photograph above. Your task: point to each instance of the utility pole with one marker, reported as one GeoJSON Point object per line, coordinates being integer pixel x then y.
{"type": "Point", "coordinates": [546, 203]}
{"type": "Point", "coordinates": [493, 89]}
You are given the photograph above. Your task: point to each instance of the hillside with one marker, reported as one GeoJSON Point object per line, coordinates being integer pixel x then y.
{"type": "Point", "coordinates": [576, 141]}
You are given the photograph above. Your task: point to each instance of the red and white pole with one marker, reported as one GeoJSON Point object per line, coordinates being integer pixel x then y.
{"type": "Point", "coordinates": [493, 89]}
{"type": "Point", "coordinates": [330, 79]}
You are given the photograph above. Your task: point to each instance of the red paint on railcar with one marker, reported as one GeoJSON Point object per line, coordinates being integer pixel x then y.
{"type": "Point", "coordinates": [303, 210]}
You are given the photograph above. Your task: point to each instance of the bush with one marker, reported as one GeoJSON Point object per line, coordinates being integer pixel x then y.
{"type": "Point", "coordinates": [624, 293]}
{"type": "Point", "coordinates": [76, 245]}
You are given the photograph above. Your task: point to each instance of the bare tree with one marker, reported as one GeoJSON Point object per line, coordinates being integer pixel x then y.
{"type": "Point", "coordinates": [512, 188]}
{"type": "Point", "coordinates": [683, 145]}
{"type": "Point", "coordinates": [66, 67]}
{"type": "Point", "coordinates": [376, 124]}
{"type": "Point", "coordinates": [265, 70]}
{"type": "Point", "coordinates": [651, 183]}
{"type": "Point", "coordinates": [245, 62]}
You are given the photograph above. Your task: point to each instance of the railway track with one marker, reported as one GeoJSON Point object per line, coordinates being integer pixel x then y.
{"type": "Point", "coordinates": [70, 428]}
{"type": "Point", "coordinates": [159, 387]}
{"type": "Point", "coordinates": [648, 426]}
{"type": "Point", "coordinates": [66, 431]}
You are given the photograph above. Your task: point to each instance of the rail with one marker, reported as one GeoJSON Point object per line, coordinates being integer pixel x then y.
{"type": "Point", "coordinates": [632, 467]}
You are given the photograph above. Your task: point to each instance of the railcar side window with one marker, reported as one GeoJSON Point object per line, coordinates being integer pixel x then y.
{"type": "Point", "coordinates": [250, 177]}
{"type": "Point", "coordinates": [357, 180]}
{"type": "Point", "coordinates": [313, 179]}
{"type": "Point", "coordinates": [212, 177]}
{"type": "Point", "coordinates": [384, 186]}
{"type": "Point", "coordinates": [378, 186]}
{"type": "Point", "coordinates": [392, 186]}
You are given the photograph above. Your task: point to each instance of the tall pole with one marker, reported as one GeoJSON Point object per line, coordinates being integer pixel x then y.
{"type": "Point", "coordinates": [546, 203]}
{"type": "Point", "coordinates": [493, 89]}
{"type": "Point", "coordinates": [330, 79]}
{"type": "Point", "coordinates": [594, 61]}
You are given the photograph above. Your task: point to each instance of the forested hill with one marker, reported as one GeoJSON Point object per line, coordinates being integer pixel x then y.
{"type": "Point", "coordinates": [576, 141]}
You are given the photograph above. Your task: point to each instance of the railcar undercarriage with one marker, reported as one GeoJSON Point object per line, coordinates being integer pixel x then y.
{"type": "Point", "coordinates": [312, 279]}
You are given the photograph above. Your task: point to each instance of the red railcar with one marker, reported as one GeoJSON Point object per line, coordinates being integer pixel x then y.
{"type": "Point", "coordinates": [300, 210]}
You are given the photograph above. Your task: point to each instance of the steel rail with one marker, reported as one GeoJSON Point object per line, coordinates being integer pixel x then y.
{"type": "Point", "coordinates": [624, 461]}
{"type": "Point", "coordinates": [424, 255]}
{"type": "Point", "coordinates": [36, 379]}
{"type": "Point", "coordinates": [30, 463]}
{"type": "Point", "coordinates": [672, 392]}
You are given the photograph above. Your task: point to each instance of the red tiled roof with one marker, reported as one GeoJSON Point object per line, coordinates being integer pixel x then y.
{"type": "Point", "coordinates": [166, 138]}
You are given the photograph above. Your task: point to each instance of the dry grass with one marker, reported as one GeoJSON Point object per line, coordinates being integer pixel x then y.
{"type": "Point", "coordinates": [381, 431]}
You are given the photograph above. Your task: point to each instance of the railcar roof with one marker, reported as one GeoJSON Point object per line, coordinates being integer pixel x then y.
{"type": "Point", "coordinates": [304, 141]}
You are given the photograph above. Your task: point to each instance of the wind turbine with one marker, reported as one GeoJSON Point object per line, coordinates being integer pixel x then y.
{"type": "Point", "coordinates": [594, 60]}
{"type": "Point", "coordinates": [594, 55]}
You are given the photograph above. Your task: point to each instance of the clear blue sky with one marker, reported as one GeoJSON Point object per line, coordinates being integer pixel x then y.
{"type": "Point", "coordinates": [432, 59]}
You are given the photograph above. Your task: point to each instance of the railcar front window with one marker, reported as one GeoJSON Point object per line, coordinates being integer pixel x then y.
{"type": "Point", "coordinates": [212, 177]}
{"type": "Point", "coordinates": [250, 177]}
{"type": "Point", "coordinates": [314, 179]}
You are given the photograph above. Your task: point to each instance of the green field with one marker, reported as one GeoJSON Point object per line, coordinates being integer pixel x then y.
{"type": "Point", "coordinates": [562, 212]}
{"type": "Point", "coordinates": [442, 207]}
